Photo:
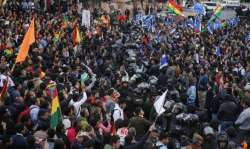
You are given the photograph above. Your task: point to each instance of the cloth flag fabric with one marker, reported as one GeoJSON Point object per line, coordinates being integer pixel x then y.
{"type": "Point", "coordinates": [168, 22]}
{"type": "Point", "coordinates": [29, 39]}
{"type": "Point", "coordinates": [190, 23]}
{"type": "Point", "coordinates": [217, 51]}
{"type": "Point", "coordinates": [163, 61]}
{"type": "Point", "coordinates": [76, 36]}
{"type": "Point", "coordinates": [217, 25]}
{"type": "Point", "coordinates": [233, 22]}
{"type": "Point", "coordinates": [199, 9]}
{"type": "Point", "coordinates": [216, 15]}
{"type": "Point", "coordinates": [65, 22]}
{"type": "Point", "coordinates": [210, 28]}
{"type": "Point", "coordinates": [4, 90]}
{"type": "Point", "coordinates": [86, 18]}
{"type": "Point", "coordinates": [175, 8]}
{"type": "Point", "coordinates": [197, 25]}
{"type": "Point", "coordinates": [158, 105]}
{"type": "Point", "coordinates": [248, 37]}
{"type": "Point", "coordinates": [55, 113]}
{"type": "Point", "coordinates": [138, 19]}
{"type": "Point", "coordinates": [218, 11]}
{"type": "Point", "coordinates": [148, 22]}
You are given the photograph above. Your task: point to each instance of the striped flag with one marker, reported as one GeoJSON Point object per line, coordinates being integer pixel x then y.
{"type": "Point", "coordinates": [175, 8]}
{"type": "Point", "coordinates": [148, 22]}
{"type": "Point", "coordinates": [55, 114]}
{"type": "Point", "coordinates": [218, 11]}
{"type": "Point", "coordinates": [4, 90]}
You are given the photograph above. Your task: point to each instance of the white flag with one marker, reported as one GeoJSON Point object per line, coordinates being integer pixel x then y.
{"type": "Point", "coordinates": [86, 18]}
{"type": "Point", "coordinates": [159, 103]}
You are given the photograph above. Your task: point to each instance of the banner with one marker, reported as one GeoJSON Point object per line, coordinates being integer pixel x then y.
{"type": "Point", "coordinates": [86, 18]}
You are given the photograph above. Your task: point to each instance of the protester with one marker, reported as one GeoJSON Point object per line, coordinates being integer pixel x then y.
{"type": "Point", "coordinates": [96, 86]}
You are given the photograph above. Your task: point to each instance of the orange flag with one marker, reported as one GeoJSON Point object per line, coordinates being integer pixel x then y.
{"type": "Point", "coordinates": [29, 39]}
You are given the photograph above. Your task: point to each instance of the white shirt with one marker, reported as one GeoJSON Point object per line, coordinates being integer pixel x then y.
{"type": "Point", "coordinates": [3, 77]}
{"type": "Point", "coordinates": [118, 113]}
{"type": "Point", "coordinates": [77, 104]}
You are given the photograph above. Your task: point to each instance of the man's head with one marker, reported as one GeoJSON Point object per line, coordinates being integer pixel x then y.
{"type": "Point", "coordinates": [222, 141]}
{"type": "Point", "coordinates": [164, 138]}
{"type": "Point", "coordinates": [246, 102]}
{"type": "Point", "coordinates": [19, 128]}
{"type": "Point", "coordinates": [122, 104]}
{"type": "Point", "coordinates": [247, 89]}
{"type": "Point", "coordinates": [139, 111]}
{"type": "Point", "coordinates": [197, 139]}
{"type": "Point", "coordinates": [115, 142]}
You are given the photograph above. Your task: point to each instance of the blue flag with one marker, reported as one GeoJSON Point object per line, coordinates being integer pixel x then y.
{"type": "Point", "coordinates": [148, 22]}
{"type": "Point", "coordinates": [197, 25]}
{"type": "Point", "coordinates": [138, 19]}
{"type": "Point", "coordinates": [217, 51]}
{"type": "Point", "coordinates": [233, 22]}
{"type": "Point", "coordinates": [190, 23]}
{"type": "Point", "coordinates": [199, 9]}
{"type": "Point", "coordinates": [163, 61]}
{"type": "Point", "coordinates": [248, 37]}
{"type": "Point", "coordinates": [210, 27]}
{"type": "Point", "coordinates": [168, 22]}
{"type": "Point", "coordinates": [217, 25]}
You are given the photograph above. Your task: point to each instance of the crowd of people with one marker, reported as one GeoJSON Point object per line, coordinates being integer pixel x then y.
{"type": "Point", "coordinates": [108, 83]}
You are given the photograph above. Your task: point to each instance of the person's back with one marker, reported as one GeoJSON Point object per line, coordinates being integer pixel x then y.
{"type": "Point", "coordinates": [140, 124]}
{"type": "Point", "coordinates": [228, 111]}
{"type": "Point", "coordinates": [18, 142]}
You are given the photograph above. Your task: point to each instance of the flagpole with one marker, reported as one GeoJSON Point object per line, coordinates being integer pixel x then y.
{"type": "Point", "coordinates": [12, 69]}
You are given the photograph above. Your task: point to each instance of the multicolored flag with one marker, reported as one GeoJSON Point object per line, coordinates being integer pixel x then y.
{"type": "Point", "coordinates": [55, 113]}
{"type": "Point", "coordinates": [76, 36]}
{"type": "Point", "coordinates": [175, 8]}
{"type": "Point", "coordinates": [4, 90]}
{"type": "Point", "coordinates": [217, 13]}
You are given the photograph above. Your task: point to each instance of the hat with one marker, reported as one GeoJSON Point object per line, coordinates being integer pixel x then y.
{"type": "Point", "coordinates": [247, 87]}
{"type": "Point", "coordinates": [81, 134]}
{"type": "Point", "coordinates": [197, 137]}
{"type": "Point", "coordinates": [208, 130]}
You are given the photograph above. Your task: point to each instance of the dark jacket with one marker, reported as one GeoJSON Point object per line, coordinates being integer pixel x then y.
{"type": "Point", "coordinates": [228, 111]}
{"type": "Point", "coordinates": [19, 142]}
{"type": "Point", "coordinates": [141, 126]}
{"type": "Point", "coordinates": [138, 144]}
{"type": "Point", "coordinates": [209, 143]}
